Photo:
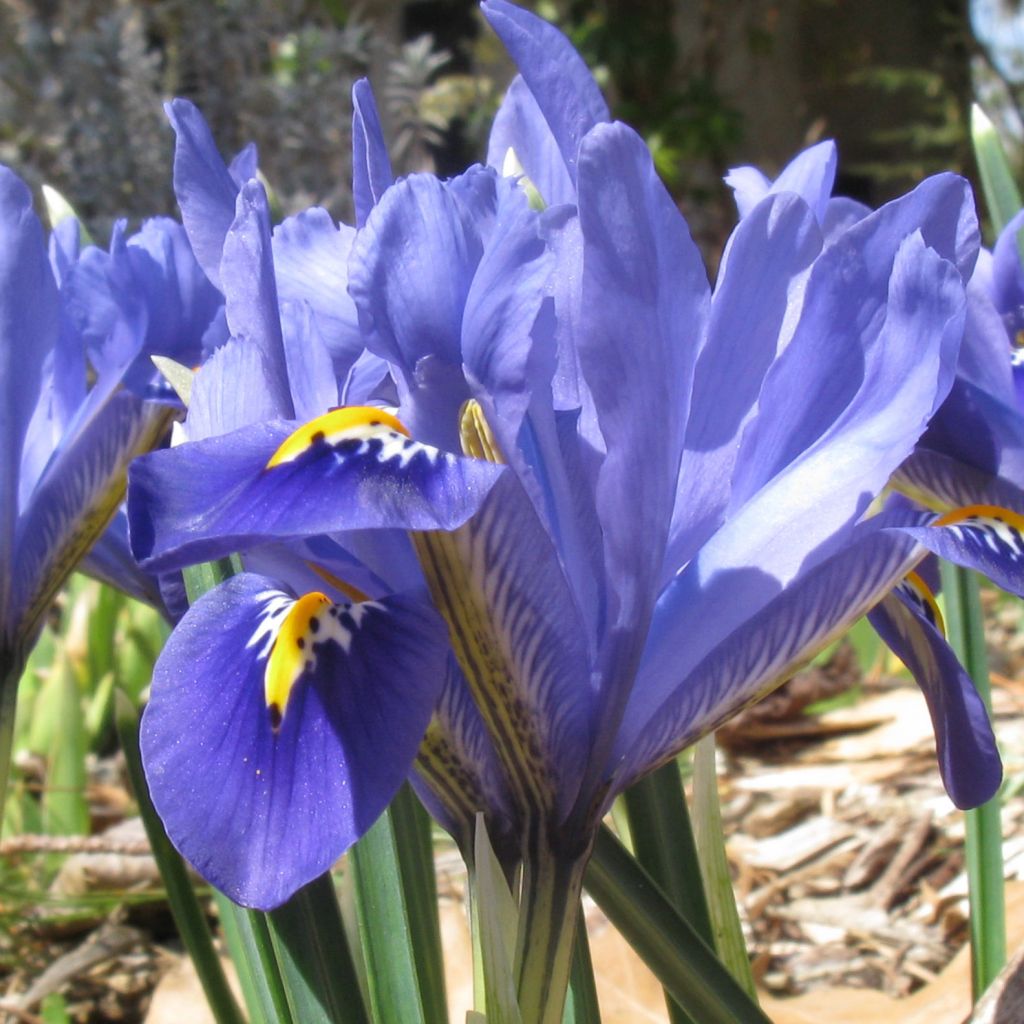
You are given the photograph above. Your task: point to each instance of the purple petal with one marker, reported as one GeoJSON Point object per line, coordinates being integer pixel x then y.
{"type": "Point", "coordinates": [208, 498]}
{"type": "Point", "coordinates": [311, 265]}
{"type": "Point", "coordinates": [679, 697]}
{"type": "Point", "coordinates": [560, 81]}
{"type": "Point", "coordinates": [968, 758]}
{"type": "Point", "coordinates": [514, 626]}
{"type": "Point", "coordinates": [644, 307]}
{"type": "Point", "coordinates": [28, 332]}
{"type": "Point", "coordinates": [250, 290]}
{"type": "Point", "coordinates": [371, 167]}
{"type": "Point", "coordinates": [203, 184]}
{"type": "Point", "coordinates": [760, 282]}
{"type": "Point", "coordinates": [520, 126]}
{"type": "Point", "coordinates": [78, 494]}
{"type": "Point", "coordinates": [1008, 275]}
{"type": "Point", "coordinates": [983, 537]}
{"type": "Point", "coordinates": [803, 514]}
{"type": "Point", "coordinates": [260, 813]}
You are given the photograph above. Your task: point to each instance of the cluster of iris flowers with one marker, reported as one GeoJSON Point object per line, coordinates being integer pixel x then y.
{"type": "Point", "coordinates": [525, 507]}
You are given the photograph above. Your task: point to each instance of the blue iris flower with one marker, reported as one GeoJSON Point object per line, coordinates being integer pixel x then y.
{"type": "Point", "coordinates": [577, 507]}
{"type": "Point", "coordinates": [80, 398]}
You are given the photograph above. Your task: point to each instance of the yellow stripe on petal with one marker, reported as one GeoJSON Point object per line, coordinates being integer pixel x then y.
{"type": "Point", "coordinates": [919, 592]}
{"type": "Point", "coordinates": [292, 652]}
{"type": "Point", "coordinates": [351, 422]}
{"type": "Point", "coordinates": [982, 516]}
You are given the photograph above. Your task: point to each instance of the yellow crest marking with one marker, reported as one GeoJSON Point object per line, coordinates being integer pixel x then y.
{"type": "Point", "coordinates": [334, 426]}
{"type": "Point", "coordinates": [923, 591]}
{"type": "Point", "coordinates": [291, 651]}
{"type": "Point", "coordinates": [995, 513]}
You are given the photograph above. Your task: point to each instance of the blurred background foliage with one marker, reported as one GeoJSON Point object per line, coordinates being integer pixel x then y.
{"type": "Point", "coordinates": [708, 83]}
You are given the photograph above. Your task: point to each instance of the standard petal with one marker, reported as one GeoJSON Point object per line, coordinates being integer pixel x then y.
{"type": "Point", "coordinates": [110, 561]}
{"type": "Point", "coordinates": [311, 378]}
{"type": "Point", "coordinates": [203, 185]}
{"type": "Point", "coordinates": [968, 757]}
{"type": "Point", "coordinates": [28, 332]}
{"type": "Point", "coordinates": [760, 282]}
{"type": "Point", "coordinates": [209, 498]}
{"type": "Point", "coordinates": [560, 81]}
{"type": "Point", "coordinates": [1008, 275]}
{"type": "Point", "coordinates": [645, 301]}
{"type": "Point", "coordinates": [250, 289]}
{"type": "Point", "coordinates": [520, 126]}
{"type": "Point", "coordinates": [229, 392]}
{"type": "Point", "coordinates": [262, 802]}
{"type": "Point", "coordinates": [371, 166]}
{"type": "Point", "coordinates": [311, 265]}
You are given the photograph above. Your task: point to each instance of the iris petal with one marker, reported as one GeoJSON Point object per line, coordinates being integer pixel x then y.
{"type": "Point", "coordinates": [371, 167]}
{"type": "Point", "coordinates": [209, 498]}
{"type": "Point", "coordinates": [261, 812]}
{"type": "Point", "coordinates": [968, 758]}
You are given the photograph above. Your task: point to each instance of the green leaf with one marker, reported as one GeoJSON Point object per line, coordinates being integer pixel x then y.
{"type": "Point", "coordinates": [714, 867]}
{"type": "Point", "coordinates": [178, 376]}
{"type": "Point", "coordinates": [984, 839]}
{"type": "Point", "coordinates": [666, 942]}
{"type": "Point", "coordinates": [313, 954]}
{"type": "Point", "coordinates": [581, 1006]}
{"type": "Point", "coordinates": [496, 917]}
{"type": "Point", "coordinates": [252, 951]}
{"type": "Point", "coordinates": [396, 903]}
{"type": "Point", "coordinates": [188, 915]}
{"type": "Point", "coordinates": [663, 844]}
{"type": "Point", "coordinates": [65, 808]}
{"type": "Point", "coordinates": [1001, 194]}
{"type": "Point", "coordinates": [54, 1010]}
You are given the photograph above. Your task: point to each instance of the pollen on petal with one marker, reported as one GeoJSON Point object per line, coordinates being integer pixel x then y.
{"type": "Point", "coordinates": [353, 422]}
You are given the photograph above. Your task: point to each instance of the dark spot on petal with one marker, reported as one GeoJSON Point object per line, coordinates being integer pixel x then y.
{"type": "Point", "coordinates": [275, 716]}
{"type": "Point", "coordinates": [314, 625]}
{"type": "Point", "coordinates": [317, 437]}
{"type": "Point", "coordinates": [301, 642]}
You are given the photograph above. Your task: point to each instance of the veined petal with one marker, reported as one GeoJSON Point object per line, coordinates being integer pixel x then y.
{"type": "Point", "coordinates": [645, 301]}
{"type": "Point", "coordinates": [676, 701]}
{"type": "Point", "coordinates": [519, 640]}
{"type": "Point", "coordinates": [203, 185]}
{"type": "Point", "coordinates": [229, 392]}
{"type": "Point", "coordinates": [458, 774]}
{"type": "Point", "coordinates": [262, 802]}
{"type": "Point", "coordinates": [968, 758]}
{"type": "Point", "coordinates": [942, 483]}
{"type": "Point", "coordinates": [310, 265]}
{"type": "Point", "coordinates": [250, 289]}
{"type": "Point", "coordinates": [76, 499]}
{"type": "Point", "coordinates": [805, 513]}
{"type": "Point", "coordinates": [28, 332]}
{"type": "Point", "coordinates": [371, 166]}
{"type": "Point", "coordinates": [983, 537]}
{"type": "Point", "coordinates": [560, 81]}
{"type": "Point", "coordinates": [208, 498]}
{"type": "Point", "coordinates": [311, 378]}
{"type": "Point", "coordinates": [760, 279]}
{"type": "Point", "coordinates": [1008, 274]}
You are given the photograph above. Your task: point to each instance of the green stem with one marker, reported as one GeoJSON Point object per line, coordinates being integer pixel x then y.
{"type": "Point", "coordinates": [984, 838]}
{"type": "Point", "coordinates": [666, 942]}
{"type": "Point", "coordinates": [12, 664]}
{"type": "Point", "coordinates": [552, 885]}
{"type": "Point", "coordinates": [581, 1007]}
